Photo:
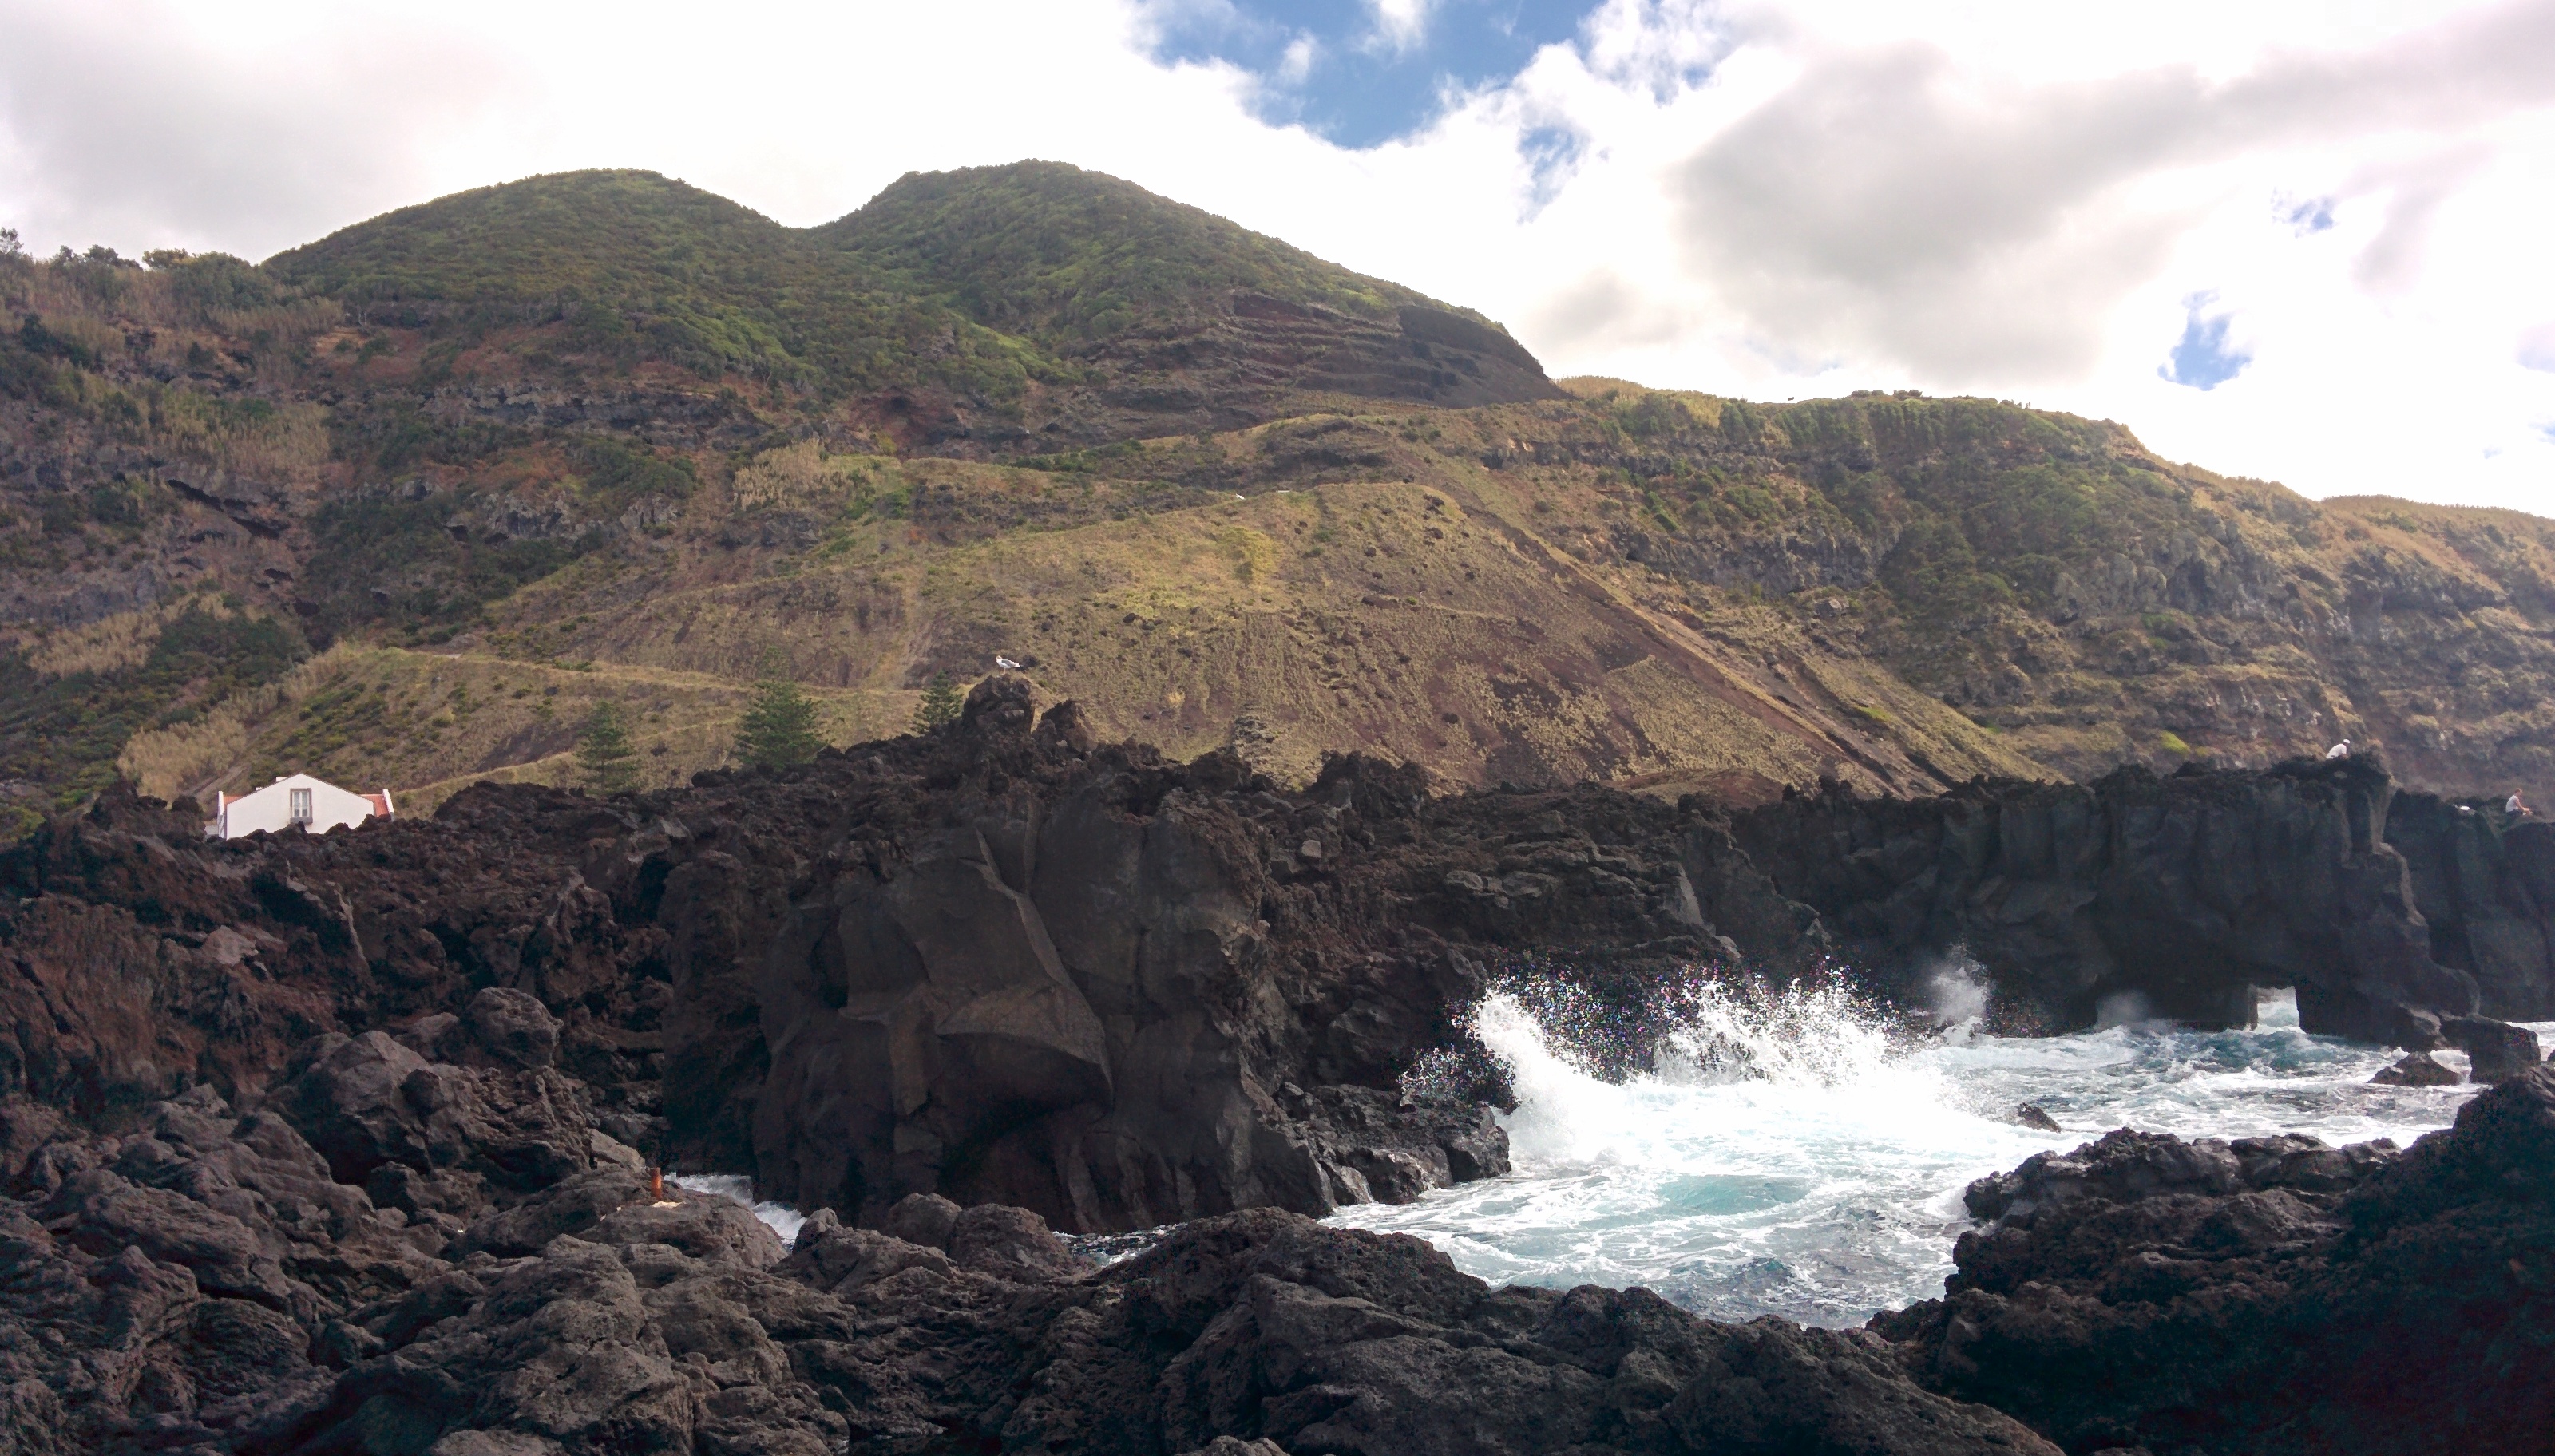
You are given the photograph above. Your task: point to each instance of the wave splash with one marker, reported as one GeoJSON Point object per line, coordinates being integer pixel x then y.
{"type": "Point", "coordinates": [1747, 1055]}
{"type": "Point", "coordinates": [1745, 1149]}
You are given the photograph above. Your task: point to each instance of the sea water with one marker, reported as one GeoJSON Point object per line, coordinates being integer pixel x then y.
{"type": "Point", "coordinates": [1794, 1152]}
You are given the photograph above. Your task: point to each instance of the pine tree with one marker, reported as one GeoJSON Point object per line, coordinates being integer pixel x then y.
{"type": "Point", "coordinates": [604, 756]}
{"type": "Point", "coordinates": [778, 728]}
{"type": "Point", "coordinates": [940, 705]}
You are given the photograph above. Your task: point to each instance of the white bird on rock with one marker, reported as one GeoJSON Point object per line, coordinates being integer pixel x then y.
{"type": "Point", "coordinates": [1007, 665]}
{"type": "Point", "coordinates": [2340, 750]}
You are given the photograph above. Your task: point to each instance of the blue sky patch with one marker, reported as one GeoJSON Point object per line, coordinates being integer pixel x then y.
{"type": "Point", "coordinates": [2204, 360]}
{"type": "Point", "coordinates": [1360, 73]}
{"type": "Point", "coordinates": [2314, 215]}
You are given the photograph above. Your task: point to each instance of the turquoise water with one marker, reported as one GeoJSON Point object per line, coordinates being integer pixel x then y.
{"type": "Point", "coordinates": [1798, 1155]}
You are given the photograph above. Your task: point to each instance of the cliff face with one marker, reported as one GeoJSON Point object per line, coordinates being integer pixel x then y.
{"type": "Point", "coordinates": [994, 963]}
{"type": "Point", "coordinates": [2185, 892]}
{"type": "Point", "coordinates": [1001, 964]}
{"type": "Point", "coordinates": [342, 1145]}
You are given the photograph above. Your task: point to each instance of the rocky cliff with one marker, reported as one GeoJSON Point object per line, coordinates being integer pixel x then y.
{"type": "Point", "coordinates": [1002, 963]}
{"type": "Point", "coordinates": [2268, 1295]}
{"type": "Point", "coordinates": [342, 1143]}
{"type": "Point", "coordinates": [2185, 893]}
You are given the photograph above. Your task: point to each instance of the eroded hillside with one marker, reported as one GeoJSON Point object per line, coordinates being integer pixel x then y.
{"type": "Point", "coordinates": [402, 506]}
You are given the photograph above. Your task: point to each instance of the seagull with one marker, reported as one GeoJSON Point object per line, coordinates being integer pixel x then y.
{"type": "Point", "coordinates": [1007, 665]}
{"type": "Point", "coordinates": [2340, 750]}
{"type": "Point", "coordinates": [2467, 809]}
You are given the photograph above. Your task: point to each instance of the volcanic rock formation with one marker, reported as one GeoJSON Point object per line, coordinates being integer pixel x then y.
{"type": "Point", "coordinates": [2187, 893]}
{"type": "Point", "coordinates": [342, 1143]}
{"type": "Point", "coordinates": [999, 964]}
{"type": "Point", "coordinates": [2267, 1295]}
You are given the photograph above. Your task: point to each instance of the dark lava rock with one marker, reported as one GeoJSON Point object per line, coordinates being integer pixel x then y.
{"type": "Point", "coordinates": [923, 1218]}
{"type": "Point", "coordinates": [2266, 1295]}
{"type": "Point", "coordinates": [998, 964]}
{"type": "Point", "coordinates": [2415, 1069]}
{"type": "Point", "coordinates": [2031, 1115]}
{"type": "Point", "coordinates": [2187, 890]}
{"type": "Point", "coordinates": [2495, 1052]}
{"type": "Point", "coordinates": [514, 1027]}
{"type": "Point", "coordinates": [304, 1140]}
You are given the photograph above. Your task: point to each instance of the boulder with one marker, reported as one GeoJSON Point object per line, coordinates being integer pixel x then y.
{"type": "Point", "coordinates": [2416, 1069]}
{"type": "Point", "coordinates": [512, 1029]}
{"type": "Point", "coordinates": [1011, 1243]}
{"type": "Point", "coordinates": [2270, 1295]}
{"type": "Point", "coordinates": [923, 1218]}
{"type": "Point", "coordinates": [2497, 1051]}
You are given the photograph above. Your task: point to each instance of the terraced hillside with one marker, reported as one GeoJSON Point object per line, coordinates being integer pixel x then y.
{"type": "Point", "coordinates": [402, 505]}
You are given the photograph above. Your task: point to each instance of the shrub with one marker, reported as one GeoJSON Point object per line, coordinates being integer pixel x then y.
{"type": "Point", "coordinates": [604, 756]}
{"type": "Point", "coordinates": [941, 706]}
{"type": "Point", "coordinates": [778, 729]}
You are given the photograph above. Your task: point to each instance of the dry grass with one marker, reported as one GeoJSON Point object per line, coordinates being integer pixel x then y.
{"type": "Point", "coordinates": [113, 642]}
{"type": "Point", "coordinates": [426, 724]}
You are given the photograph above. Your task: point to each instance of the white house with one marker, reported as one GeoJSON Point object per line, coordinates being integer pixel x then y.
{"type": "Point", "coordinates": [295, 799]}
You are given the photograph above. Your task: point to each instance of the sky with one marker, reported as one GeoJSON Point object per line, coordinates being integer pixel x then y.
{"type": "Point", "coordinates": [2303, 240]}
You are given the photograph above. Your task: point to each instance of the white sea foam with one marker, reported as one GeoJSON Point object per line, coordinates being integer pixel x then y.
{"type": "Point", "coordinates": [781, 1218]}
{"type": "Point", "coordinates": [1794, 1153]}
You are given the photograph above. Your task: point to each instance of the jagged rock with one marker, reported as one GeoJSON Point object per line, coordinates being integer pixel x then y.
{"type": "Point", "coordinates": [999, 966]}
{"type": "Point", "coordinates": [2415, 1069]}
{"type": "Point", "coordinates": [514, 1029]}
{"type": "Point", "coordinates": [165, 1287]}
{"type": "Point", "coordinates": [2495, 1050]}
{"type": "Point", "coordinates": [923, 1218]}
{"type": "Point", "coordinates": [2187, 892]}
{"type": "Point", "coordinates": [369, 1103]}
{"type": "Point", "coordinates": [2031, 1115]}
{"type": "Point", "coordinates": [841, 1260]}
{"type": "Point", "coordinates": [510, 1282]}
{"type": "Point", "coordinates": [1011, 1243]}
{"type": "Point", "coordinates": [2268, 1295]}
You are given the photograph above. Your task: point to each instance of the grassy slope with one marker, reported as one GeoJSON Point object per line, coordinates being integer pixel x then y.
{"type": "Point", "coordinates": [1663, 589]}
{"type": "Point", "coordinates": [641, 267]}
{"type": "Point", "coordinates": [1069, 256]}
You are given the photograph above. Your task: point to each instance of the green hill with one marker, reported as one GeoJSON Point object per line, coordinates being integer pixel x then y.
{"type": "Point", "coordinates": [1071, 257]}
{"type": "Point", "coordinates": [404, 505]}
{"type": "Point", "coordinates": [636, 266]}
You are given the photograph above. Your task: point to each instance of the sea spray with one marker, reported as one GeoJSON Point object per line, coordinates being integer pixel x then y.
{"type": "Point", "coordinates": [1799, 1152]}
{"type": "Point", "coordinates": [1956, 994]}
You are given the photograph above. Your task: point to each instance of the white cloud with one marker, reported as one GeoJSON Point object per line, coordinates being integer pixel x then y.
{"type": "Point", "coordinates": [1775, 198]}
{"type": "Point", "coordinates": [1400, 25]}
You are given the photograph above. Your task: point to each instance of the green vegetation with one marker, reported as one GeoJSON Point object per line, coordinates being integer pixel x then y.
{"type": "Point", "coordinates": [59, 735]}
{"type": "Point", "coordinates": [940, 705]}
{"type": "Point", "coordinates": [778, 729]}
{"type": "Point", "coordinates": [604, 757]}
{"type": "Point", "coordinates": [1068, 257]}
{"type": "Point", "coordinates": [628, 266]}
{"type": "Point", "coordinates": [382, 560]}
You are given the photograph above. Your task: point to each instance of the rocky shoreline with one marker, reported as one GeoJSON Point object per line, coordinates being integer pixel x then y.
{"type": "Point", "coordinates": [346, 1143]}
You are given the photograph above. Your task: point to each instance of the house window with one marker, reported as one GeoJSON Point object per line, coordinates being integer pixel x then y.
{"type": "Point", "coordinates": [300, 805]}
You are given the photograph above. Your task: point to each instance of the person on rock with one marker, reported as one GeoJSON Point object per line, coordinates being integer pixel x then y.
{"type": "Point", "coordinates": [2515, 808]}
